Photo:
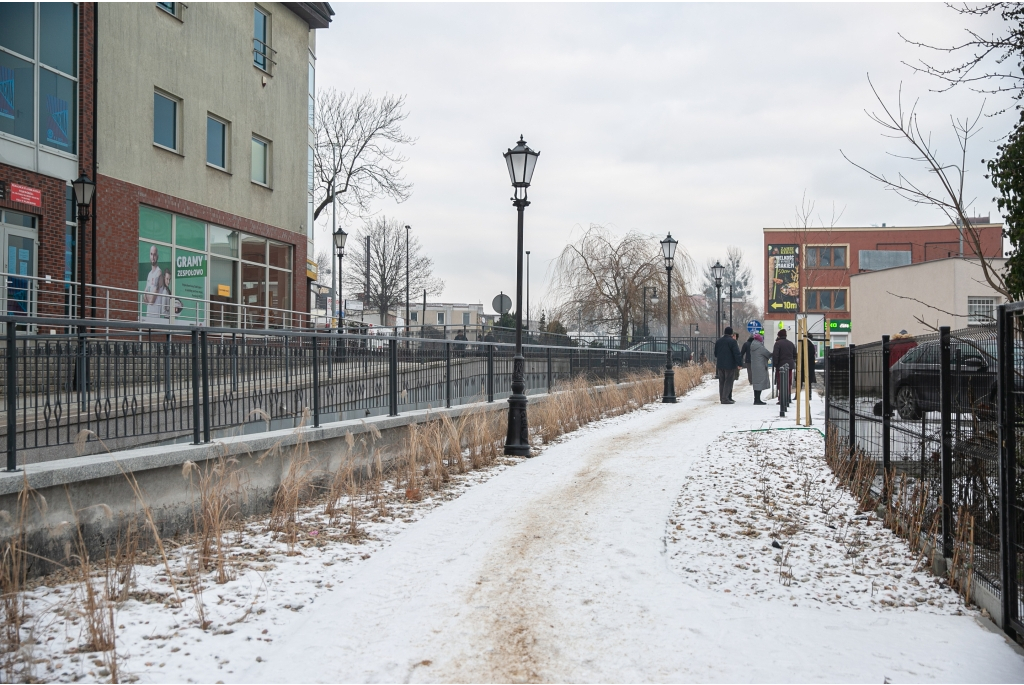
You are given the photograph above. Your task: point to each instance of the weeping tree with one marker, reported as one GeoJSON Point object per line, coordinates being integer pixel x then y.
{"type": "Point", "coordinates": [386, 275]}
{"type": "Point", "coordinates": [601, 278]}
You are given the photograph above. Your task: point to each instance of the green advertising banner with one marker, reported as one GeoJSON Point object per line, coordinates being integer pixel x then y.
{"type": "Point", "coordinates": [190, 285]}
{"type": "Point", "coordinates": [783, 279]}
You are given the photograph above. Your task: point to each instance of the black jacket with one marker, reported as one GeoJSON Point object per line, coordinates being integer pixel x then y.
{"type": "Point", "coordinates": [727, 353]}
{"type": "Point", "coordinates": [784, 352]}
{"type": "Point", "coordinates": [745, 351]}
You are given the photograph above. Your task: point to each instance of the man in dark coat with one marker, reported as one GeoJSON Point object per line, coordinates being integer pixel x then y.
{"type": "Point", "coordinates": [727, 360]}
{"type": "Point", "coordinates": [784, 352]}
{"type": "Point", "coordinates": [745, 352]}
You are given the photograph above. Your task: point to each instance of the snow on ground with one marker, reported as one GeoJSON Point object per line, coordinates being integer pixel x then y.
{"type": "Point", "coordinates": [564, 568]}
{"type": "Point", "coordinates": [771, 523]}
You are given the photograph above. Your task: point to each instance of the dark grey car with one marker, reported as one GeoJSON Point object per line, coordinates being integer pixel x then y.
{"type": "Point", "coordinates": [915, 378]}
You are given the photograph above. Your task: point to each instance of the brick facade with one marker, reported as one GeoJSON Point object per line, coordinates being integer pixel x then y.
{"type": "Point", "coordinates": [118, 233]}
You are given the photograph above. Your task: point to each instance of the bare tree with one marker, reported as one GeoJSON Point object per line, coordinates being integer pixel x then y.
{"type": "Point", "coordinates": [820, 234]}
{"type": "Point", "coordinates": [736, 276]}
{"type": "Point", "coordinates": [387, 266]}
{"type": "Point", "coordinates": [324, 264]}
{"type": "Point", "coordinates": [355, 154]}
{"type": "Point", "coordinates": [988, 64]}
{"type": "Point", "coordinates": [600, 278]}
{"type": "Point", "coordinates": [902, 124]}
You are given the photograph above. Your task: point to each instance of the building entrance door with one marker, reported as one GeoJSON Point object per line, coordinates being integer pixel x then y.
{"type": "Point", "coordinates": [19, 239]}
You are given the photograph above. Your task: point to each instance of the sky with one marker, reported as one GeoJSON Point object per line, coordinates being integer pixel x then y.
{"type": "Point", "coordinates": [709, 121]}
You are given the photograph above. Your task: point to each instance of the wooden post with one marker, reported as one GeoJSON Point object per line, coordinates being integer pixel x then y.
{"type": "Point", "coordinates": [799, 367]}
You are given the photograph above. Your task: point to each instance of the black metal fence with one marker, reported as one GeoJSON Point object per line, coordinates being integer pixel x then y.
{"type": "Point", "coordinates": [942, 412]}
{"type": "Point", "coordinates": [118, 384]}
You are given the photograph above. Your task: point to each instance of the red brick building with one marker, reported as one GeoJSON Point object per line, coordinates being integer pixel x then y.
{"type": "Point", "coordinates": [198, 148]}
{"type": "Point", "coordinates": [807, 271]}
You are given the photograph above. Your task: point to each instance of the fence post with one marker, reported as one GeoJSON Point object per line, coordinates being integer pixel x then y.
{"type": "Point", "coordinates": [12, 397]}
{"type": "Point", "coordinates": [448, 375]}
{"type": "Point", "coordinates": [490, 373]}
{"type": "Point", "coordinates": [195, 386]}
{"type": "Point", "coordinates": [886, 417]}
{"type": "Point", "coordinates": [618, 365]}
{"type": "Point", "coordinates": [946, 416]}
{"type": "Point", "coordinates": [828, 388]}
{"type": "Point", "coordinates": [852, 383]}
{"type": "Point", "coordinates": [206, 388]}
{"type": "Point", "coordinates": [316, 381]}
{"type": "Point", "coordinates": [549, 370]}
{"type": "Point", "coordinates": [1007, 454]}
{"type": "Point", "coordinates": [392, 377]}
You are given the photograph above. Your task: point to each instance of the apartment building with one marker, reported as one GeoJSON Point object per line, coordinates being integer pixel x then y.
{"type": "Point", "coordinates": [195, 123]}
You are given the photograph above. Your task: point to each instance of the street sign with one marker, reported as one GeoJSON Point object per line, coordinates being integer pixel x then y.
{"type": "Point", "coordinates": [502, 303]}
{"type": "Point", "coordinates": [754, 326]}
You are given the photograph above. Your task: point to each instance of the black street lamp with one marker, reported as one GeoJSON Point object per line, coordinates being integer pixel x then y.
{"type": "Point", "coordinates": [339, 249]}
{"type": "Point", "coordinates": [693, 326]}
{"type": "Point", "coordinates": [521, 161]}
{"type": "Point", "coordinates": [730, 306]}
{"type": "Point", "coordinates": [407, 229]}
{"type": "Point", "coordinates": [527, 290]}
{"type": "Point", "coordinates": [84, 190]}
{"type": "Point", "coordinates": [654, 300]}
{"type": "Point", "coordinates": [718, 271]}
{"type": "Point", "coordinates": [668, 251]}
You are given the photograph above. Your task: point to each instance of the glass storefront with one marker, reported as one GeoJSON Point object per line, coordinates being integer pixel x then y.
{"type": "Point", "coordinates": [194, 272]}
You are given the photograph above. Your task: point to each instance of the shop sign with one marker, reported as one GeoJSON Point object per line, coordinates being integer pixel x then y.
{"type": "Point", "coordinates": [223, 290]}
{"type": "Point", "coordinates": [3, 190]}
{"type": "Point", "coordinates": [26, 195]}
{"type": "Point", "coordinates": [311, 269]}
{"type": "Point", "coordinates": [783, 278]}
{"type": "Point", "coordinates": [839, 325]}
{"type": "Point", "coordinates": [354, 305]}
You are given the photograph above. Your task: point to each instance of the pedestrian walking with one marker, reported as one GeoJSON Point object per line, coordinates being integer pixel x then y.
{"type": "Point", "coordinates": [783, 353]}
{"type": "Point", "coordinates": [758, 369]}
{"type": "Point", "coordinates": [812, 354]}
{"type": "Point", "coordinates": [727, 361]}
{"type": "Point", "coordinates": [736, 373]}
{"type": "Point", "coordinates": [745, 351]}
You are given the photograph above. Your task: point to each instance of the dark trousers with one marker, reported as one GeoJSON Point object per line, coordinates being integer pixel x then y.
{"type": "Point", "coordinates": [726, 377]}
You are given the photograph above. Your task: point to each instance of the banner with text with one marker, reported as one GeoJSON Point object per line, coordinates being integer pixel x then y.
{"type": "Point", "coordinates": [783, 279]}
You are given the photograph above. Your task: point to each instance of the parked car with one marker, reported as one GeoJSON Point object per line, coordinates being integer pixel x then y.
{"type": "Point", "coordinates": [680, 351]}
{"type": "Point", "coordinates": [915, 379]}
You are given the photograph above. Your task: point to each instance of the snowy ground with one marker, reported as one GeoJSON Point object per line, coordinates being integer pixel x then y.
{"type": "Point", "coordinates": [636, 549]}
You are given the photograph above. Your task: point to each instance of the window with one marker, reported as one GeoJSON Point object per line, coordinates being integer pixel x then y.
{"type": "Point", "coordinates": [39, 73]}
{"type": "Point", "coordinates": [262, 54]}
{"type": "Point", "coordinates": [981, 311]}
{"type": "Point", "coordinates": [465, 318]}
{"type": "Point", "coordinates": [440, 318]}
{"type": "Point", "coordinates": [165, 121]}
{"type": "Point", "coordinates": [825, 300]}
{"type": "Point", "coordinates": [216, 143]}
{"type": "Point", "coordinates": [172, 8]}
{"type": "Point", "coordinates": [413, 316]}
{"type": "Point", "coordinates": [260, 159]}
{"type": "Point", "coordinates": [817, 257]}
{"type": "Point", "coordinates": [312, 92]}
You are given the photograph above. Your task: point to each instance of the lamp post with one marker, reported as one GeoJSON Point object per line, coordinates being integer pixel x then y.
{"type": "Point", "coordinates": [717, 271]}
{"type": "Point", "coordinates": [84, 190]}
{"type": "Point", "coordinates": [730, 306]}
{"type": "Point", "coordinates": [407, 229]}
{"type": "Point", "coordinates": [521, 161]}
{"type": "Point", "coordinates": [339, 249]}
{"type": "Point", "coordinates": [668, 251]}
{"type": "Point", "coordinates": [694, 326]}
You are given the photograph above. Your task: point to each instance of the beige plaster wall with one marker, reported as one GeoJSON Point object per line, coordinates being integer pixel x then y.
{"type": "Point", "coordinates": [206, 60]}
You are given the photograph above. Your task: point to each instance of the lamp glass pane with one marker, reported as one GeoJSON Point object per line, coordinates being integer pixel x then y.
{"type": "Point", "coordinates": [518, 166]}
{"type": "Point", "coordinates": [531, 162]}
{"type": "Point", "coordinates": [508, 163]}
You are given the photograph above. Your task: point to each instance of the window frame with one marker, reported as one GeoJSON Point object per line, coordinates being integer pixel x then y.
{"type": "Point", "coordinates": [808, 248]}
{"type": "Point", "coordinates": [226, 143]}
{"type": "Point", "coordinates": [37, 65]}
{"type": "Point", "coordinates": [177, 11]}
{"type": "Point", "coordinates": [179, 111]}
{"type": "Point", "coordinates": [267, 52]}
{"type": "Point", "coordinates": [267, 162]}
{"type": "Point", "coordinates": [817, 294]}
{"type": "Point", "coordinates": [973, 317]}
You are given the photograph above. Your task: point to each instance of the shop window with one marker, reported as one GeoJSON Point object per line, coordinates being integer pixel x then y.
{"type": "Point", "coordinates": [190, 233]}
{"type": "Point", "coordinates": [254, 249]}
{"type": "Point", "coordinates": [224, 241]}
{"type": "Point", "coordinates": [18, 27]}
{"type": "Point", "coordinates": [280, 255]}
{"type": "Point", "coordinates": [154, 224]}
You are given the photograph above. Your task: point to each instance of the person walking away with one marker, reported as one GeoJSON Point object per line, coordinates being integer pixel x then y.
{"type": "Point", "coordinates": [784, 352]}
{"type": "Point", "coordinates": [745, 351]}
{"type": "Point", "coordinates": [727, 361]}
{"type": "Point", "coordinates": [758, 366]}
{"type": "Point", "coordinates": [736, 373]}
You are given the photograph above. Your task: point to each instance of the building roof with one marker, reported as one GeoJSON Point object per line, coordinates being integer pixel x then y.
{"type": "Point", "coordinates": [997, 262]}
{"type": "Point", "coordinates": [316, 14]}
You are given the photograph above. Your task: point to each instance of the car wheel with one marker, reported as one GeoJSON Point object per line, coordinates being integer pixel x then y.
{"type": "Point", "coordinates": [906, 404]}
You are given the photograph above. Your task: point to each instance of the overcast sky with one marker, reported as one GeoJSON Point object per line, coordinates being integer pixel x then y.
{"type": "Point", "coordinates": [709, 121]}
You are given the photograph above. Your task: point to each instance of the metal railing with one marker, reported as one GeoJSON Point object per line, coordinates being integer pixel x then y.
{"type": "Point", "coordinates": [115, 384]}
{"type": "Point", "coordinates": [935, 412]}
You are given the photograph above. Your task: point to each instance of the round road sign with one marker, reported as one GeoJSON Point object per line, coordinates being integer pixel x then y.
{"type": "Point", "coordinates": [502, 303]}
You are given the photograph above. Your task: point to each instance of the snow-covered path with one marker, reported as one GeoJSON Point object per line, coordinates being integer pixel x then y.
{"type": "Point", "coordinates": [557, 570]}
